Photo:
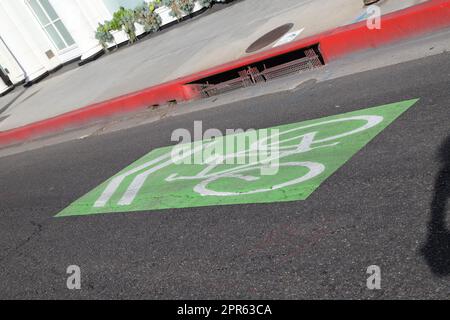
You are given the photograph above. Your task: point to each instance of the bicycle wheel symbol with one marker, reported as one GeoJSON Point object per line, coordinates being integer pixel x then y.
{"type": "Point", "coordinates": [314, 169]}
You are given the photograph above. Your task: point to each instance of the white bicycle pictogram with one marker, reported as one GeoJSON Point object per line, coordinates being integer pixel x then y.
{"type": "Point", "coordinates": [292, 144]}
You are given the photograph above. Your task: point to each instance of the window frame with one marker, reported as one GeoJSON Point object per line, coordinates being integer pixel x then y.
{"type": "Point", "coordinates": [51, 23]}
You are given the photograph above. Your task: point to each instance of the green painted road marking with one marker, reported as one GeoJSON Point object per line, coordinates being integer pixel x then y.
{"type": "Point", "coordinates": [309, 153]}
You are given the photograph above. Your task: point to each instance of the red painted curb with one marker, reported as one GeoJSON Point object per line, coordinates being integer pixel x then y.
{"type": "Point", "coordinates": [414, 21]}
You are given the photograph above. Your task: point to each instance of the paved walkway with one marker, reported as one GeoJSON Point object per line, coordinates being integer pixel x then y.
{"type": "Point", "coordinates": [205, 42]}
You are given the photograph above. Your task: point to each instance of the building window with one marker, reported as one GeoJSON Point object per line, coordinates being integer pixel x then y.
{"type": "Point", "coordinates": [51, 23]}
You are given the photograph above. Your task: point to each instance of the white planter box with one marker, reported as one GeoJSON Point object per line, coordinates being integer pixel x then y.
{"type": "Point", "coordinates": [164, 13]}
{"type": "Point", "coordinates": [121, 36]}
{"type": "Point", "coordinates": [166, 18]}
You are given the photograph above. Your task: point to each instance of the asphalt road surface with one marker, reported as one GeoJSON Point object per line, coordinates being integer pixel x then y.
{"type": "Point", "coordinates": [386, 206]}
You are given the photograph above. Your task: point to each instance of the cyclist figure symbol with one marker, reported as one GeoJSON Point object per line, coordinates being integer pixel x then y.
{"type": "Point", "coordinates": [295, 141]}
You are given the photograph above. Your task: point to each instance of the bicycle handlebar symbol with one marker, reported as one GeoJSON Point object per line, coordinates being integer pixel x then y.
{"type": "Point", "coordinates": [294, 141]}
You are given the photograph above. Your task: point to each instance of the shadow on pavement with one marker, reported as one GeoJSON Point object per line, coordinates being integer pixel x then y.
{"type": "Point", "coordinates": [5, 107]}
{"type": "Point", "coordinates": [436, 250]}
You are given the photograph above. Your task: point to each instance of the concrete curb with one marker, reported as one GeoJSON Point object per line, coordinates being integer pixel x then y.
{"type": "Point", "coordinates": [411, 22]}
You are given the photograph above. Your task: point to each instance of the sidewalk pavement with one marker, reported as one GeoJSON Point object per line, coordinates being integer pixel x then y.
{"type": "Point", "coordinates": [204, 42]}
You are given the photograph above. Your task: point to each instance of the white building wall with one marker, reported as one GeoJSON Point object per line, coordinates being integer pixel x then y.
{"type": "Point", "coordinates": [114, 5]}
{"type": "Point", "coordinates": [80, 18]}
{"type": "Point", "coordinates": [29, 43]}
{"type": "Point", "coordinates": [24, 36]}
{"type": "Point", "coordinates": [7, 61]}
{"type": "Point", "coordinates": [3, 87]}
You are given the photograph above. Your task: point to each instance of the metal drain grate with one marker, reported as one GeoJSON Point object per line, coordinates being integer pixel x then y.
{"type": "Point", "coordinates": [311, 61]}
{"type": "Point", "coordinates": [292, 63]}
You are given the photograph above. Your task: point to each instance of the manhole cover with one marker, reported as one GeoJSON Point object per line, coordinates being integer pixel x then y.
{"type": "Point", "coordinates": [269, 38]}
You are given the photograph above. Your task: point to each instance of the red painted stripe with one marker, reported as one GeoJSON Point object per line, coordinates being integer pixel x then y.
{"type": "Point", "coordinates": [414, 21]}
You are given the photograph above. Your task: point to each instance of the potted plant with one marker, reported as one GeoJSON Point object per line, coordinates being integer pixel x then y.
{"type": "Point", "coordinates": [124, 19]}
{"type": "Point", "coordinates": [206, 3]}
{"type": "Point", "coordinates": [179, 8]}
{"type": "Point", "coordinates": [146, 16]}
{"type": "Point", "coordinates": [103, 35]}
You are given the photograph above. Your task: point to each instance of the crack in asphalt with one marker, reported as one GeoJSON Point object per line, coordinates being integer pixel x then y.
{"type": "Point", "coordinates": [35, 233]}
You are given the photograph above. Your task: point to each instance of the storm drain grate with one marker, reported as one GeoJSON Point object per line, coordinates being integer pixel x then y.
{"type": "Point", "coordinates": [291, 63]}
{"type": "Point", "coordinates": [309, 62]}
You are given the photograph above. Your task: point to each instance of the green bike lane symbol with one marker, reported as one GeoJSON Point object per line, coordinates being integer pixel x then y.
{"type": "Point", "coordinates": [307, 154]}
